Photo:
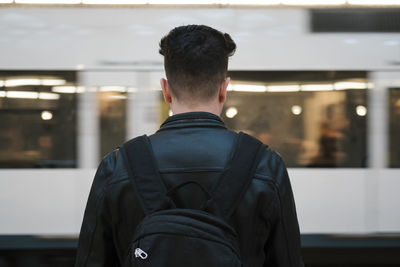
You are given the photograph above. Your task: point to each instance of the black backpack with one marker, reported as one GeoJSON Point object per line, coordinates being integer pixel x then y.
{"type": "Point", "coordinates": [171, 236]}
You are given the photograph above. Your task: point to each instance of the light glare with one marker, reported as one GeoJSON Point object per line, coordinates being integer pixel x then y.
{"type": "Point", "coordinates": [32, 81]}
{"type": "Point", "coordinates": [296, 110]}
{"type": "Point", "coordinates": [80, 89]}
{"type": "Point", "coordinates": [247, 88]}
{"type": "Point", "coordinates": [49, 96]}
{"type": "Point", "coordinates": [350, 85]}
{"type": "Point", "coordinates": [21, 82]}
{"type": "Point", "coordinates": [46, 115]}
{"type": "Point", "coordinates": [361, 111]}
{"type": "Point", "coordinates": [317, 87]}
{"type": "Point", "coordinates": [120, 89]}
{"type": "Point", "coordinates": [117, 97]}
{"type": "Point", "coordinates": [51, 82]}
{"type": "Point", "coordinates": [80, 67]}
{"type": "Point", "coordinates": [284, 88]}
{"type": "Point", "coordinates": [231, 112]}
{"type": "Point", "coordinates": [64, 89]}
{"type": "Point", "coordinates": [22, 94]}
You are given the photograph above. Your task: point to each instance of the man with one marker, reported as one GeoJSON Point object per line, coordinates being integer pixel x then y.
{"type": "Point", "coordinates": [194, 145]}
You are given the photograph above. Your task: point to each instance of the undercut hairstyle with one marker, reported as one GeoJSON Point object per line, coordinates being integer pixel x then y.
{"type": "Point", "coordinates": [196, 60]}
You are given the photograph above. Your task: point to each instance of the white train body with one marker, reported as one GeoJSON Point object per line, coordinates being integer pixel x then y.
{"type": "Point", "coordinates": [119, 46]}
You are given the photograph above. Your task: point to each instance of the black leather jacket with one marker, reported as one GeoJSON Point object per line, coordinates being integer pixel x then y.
{"type": "Point", "coordinates": [193, 146]}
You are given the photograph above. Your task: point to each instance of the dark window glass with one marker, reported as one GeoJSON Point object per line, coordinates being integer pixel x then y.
{"type": "Point", "coordinates": [38, 121]}
{"type": "Point", "coordinates": [112, 108]}
{"type": "Point", "coordinates": [313, 119]}
{"type": "Point", "coordinates": [394, 127]}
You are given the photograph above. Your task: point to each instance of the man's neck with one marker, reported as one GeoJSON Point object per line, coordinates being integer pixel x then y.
{"type": "Point", "coordinates": [178, 108]}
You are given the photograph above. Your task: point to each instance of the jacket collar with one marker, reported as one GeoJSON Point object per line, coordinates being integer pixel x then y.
{"type": "Point", "coordinates": [192, 119]}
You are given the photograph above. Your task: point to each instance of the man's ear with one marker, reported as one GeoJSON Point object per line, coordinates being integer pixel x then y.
{"type": "Point", "coordinates": [222, 90]}
{"type": "Point", "coordinates": [166, 91]}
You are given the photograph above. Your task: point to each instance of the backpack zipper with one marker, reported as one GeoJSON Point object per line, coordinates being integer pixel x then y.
{"type": "Point", "coordinates": [139, 253]}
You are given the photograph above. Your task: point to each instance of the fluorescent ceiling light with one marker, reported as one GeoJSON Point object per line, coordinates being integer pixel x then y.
{"type": "Point", "coordinates": [317, 87]}
{"type": "Point", "coordinates": [50, 82]}
{"type": "Point", "coordinates": [48, 2]}
{"type": "Point", "coordinates": [49, 96]}
{"type": "Point", "coordinates": [374, 2]}
{"type": "Point", "coordinates": [64, 89]}
{"type": "Point", "coordinates": [117, 96]}
{"type": "Point", "coordinates": [121, 89]}
{"type": "Point", "coordinates": [1, 83]}
{"type": "Point", "coordinates": [21, 82]}
{"type": "Point", "coordinates": [29, 95]}
{"type": "Point", "coordinates": [114, 2]}
{"type": "Point", "coordinates": [22, 94]}
{"type": "Point", "coordinates": [350, 85]}
{"type": "Point", "coordinates": [68, 89]}
{"type": "Point", "coordinates": [33, 81]}
{"type": "Point", "coordinates": [248, 88]}
{"type": "Point", "coordinates": [313, 2]}
{"type": "Point", "coordinates": [284, 88]}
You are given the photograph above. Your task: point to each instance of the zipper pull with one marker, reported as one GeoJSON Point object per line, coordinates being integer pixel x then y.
{"type": "Point", "coordinates": [140, 254]}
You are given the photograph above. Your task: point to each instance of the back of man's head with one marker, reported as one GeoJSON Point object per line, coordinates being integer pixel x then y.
{"type": "Point", "coordinates": [196, 61]}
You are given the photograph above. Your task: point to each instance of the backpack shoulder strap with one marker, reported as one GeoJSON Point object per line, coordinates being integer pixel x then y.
{"type": "Point", "coordinates": [143, 172]}
{"type": "Point", "coordinates": [235, 179]}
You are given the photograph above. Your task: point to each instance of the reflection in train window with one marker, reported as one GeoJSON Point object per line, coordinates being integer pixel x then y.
{"type": "Point", "coordinates": [313, 119]}
{"type": "Point", "coordinates": [38, 119]}
{"type": "Point", "coordinates": [394, 127]}
{"type": "Point", "coordinates": [112, 110]}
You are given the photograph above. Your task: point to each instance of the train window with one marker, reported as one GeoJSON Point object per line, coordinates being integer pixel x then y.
{"type": "Point", "coordinates": [394, 127]}
{"type": "Point", "coordinates": [313, 119]}
{"type": "Point", "coordinates": [112, 110]}
{"type": "Point", "coordinates": [38, 121]}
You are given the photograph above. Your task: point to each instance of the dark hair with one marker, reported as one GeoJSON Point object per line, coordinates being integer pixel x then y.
{"type": "Point", "coordinates": [196, 60]}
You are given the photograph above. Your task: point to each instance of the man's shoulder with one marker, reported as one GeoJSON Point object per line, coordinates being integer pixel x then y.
{"type": "Point", "coordinates": [111, 169]}
{"type": "Point", "coordinates": [271, 165]}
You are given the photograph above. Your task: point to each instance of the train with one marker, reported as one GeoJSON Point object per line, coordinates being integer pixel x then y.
{"type": "Point", "coordinates": [77, 81]}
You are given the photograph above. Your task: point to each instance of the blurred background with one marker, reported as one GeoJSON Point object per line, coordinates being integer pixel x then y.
{"type": "Point", "coordinates": [316, 80]}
